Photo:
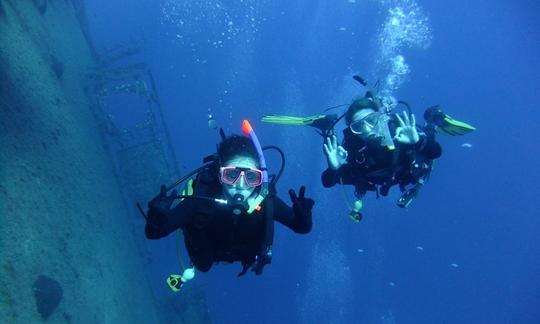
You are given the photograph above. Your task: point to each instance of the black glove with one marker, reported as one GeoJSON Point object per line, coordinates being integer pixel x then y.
{"type": "Point", "coordinates": [162, 200]}
{"type": "Point", "coordinates": [158, 208]}
{"type": "Point", "coordinates": [301, 205]}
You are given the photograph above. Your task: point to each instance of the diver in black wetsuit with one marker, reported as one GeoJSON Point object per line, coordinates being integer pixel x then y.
{"type": "Point", "coordinates": [381, 150]}
{"type": "Point", "coordinates": [239, 231]}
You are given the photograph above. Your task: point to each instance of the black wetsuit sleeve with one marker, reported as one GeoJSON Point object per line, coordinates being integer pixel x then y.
{"type": "Point", "coordinates": [429, 148]}
{"type": "Point", "coordinates": [300, 221]}
{"type": "Point", "coordinates": [162, 222]}
{"type": "Point", "coordinates": [329, 177]}
{"type": "Point", "coordinates": [342, 175]}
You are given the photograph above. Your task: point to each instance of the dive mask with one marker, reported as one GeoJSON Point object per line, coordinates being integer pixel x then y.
{"type": "Point", "coordinates": [374, 124]}
{"type": "Point", "coordinates": [365, 125]}
{"type": "Point", "coordinates": [231, 175]}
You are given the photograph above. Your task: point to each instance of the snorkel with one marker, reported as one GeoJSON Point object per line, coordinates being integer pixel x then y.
{"type": "Point", "coordinates": [253, 204]}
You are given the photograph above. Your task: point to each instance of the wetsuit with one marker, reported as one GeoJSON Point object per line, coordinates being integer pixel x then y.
{"type": "Point", "coordinates": [373, 167]}
{"type": "Point", "coordinates": [212, 232]}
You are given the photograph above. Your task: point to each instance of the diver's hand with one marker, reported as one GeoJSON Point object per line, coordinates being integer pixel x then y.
{"type": "Point", "coordinates": [336, 155]}
{"type": "Point", "coordinates": [407, 133]}
{"type": "Point", "coordinates": [159, 207]}
{"type": "Point", "coordinates": [301, 205]}
{"type": "Point", "coordinates": [162, 200]}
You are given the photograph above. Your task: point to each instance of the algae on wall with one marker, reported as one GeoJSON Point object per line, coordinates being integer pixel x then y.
{"type": "Point", "coordinates": [61, 211]}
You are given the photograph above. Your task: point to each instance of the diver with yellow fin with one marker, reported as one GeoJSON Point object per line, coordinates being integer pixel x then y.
{"type": "Point", "coordinates": [380, 149]}
{"type": "Point", "coordinates": [228, 208]}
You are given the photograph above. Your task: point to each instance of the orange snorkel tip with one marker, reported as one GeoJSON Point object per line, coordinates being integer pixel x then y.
{"type": "Point", "coordinates": [246, 127]}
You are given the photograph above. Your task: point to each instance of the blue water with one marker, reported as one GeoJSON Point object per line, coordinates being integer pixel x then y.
{"type": "Point", "coordinates": [467, 251]}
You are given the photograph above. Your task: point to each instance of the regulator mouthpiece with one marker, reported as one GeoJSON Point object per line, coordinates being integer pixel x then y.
{"type": "Point", "coordinates": [238, 204]}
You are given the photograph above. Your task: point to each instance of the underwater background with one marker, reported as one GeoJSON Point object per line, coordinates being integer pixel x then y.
{"type": "Point", "coordinates": [466, 251]}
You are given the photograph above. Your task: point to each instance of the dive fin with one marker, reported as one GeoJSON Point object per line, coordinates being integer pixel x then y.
{"type": "Point", "coordinates": [445, 124]}
{"type": "Point", "coordinates": [455, 127]}
{"type": "Point", "coordinates": [322, 122]}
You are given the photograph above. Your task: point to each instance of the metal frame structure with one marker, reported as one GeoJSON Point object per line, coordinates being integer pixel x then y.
{"type": "Point", "coordinates": [142, 153]}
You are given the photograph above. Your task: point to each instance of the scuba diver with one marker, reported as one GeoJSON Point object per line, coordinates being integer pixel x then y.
{"type": "Point", "coordinates": [380, 149]}
{"type": "Point", "coordinates": [228, 208]}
